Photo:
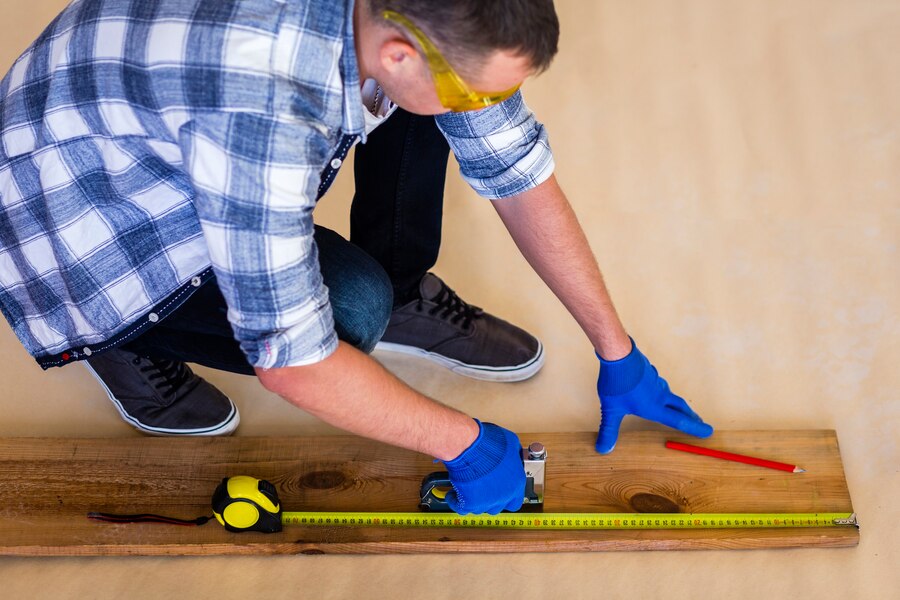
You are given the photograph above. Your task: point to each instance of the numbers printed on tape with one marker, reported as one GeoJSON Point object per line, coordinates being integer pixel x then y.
{"type": "Point", "coordinates": [586, 521]}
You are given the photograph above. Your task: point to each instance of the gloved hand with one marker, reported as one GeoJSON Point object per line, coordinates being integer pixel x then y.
{"type": "Point", "coordinates": [632, 386]}
{"type": "Point", "coordinates": [489, 475]}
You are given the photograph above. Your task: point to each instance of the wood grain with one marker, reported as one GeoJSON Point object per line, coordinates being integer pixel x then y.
{"type": "Point", "coordinates": [48, 485]}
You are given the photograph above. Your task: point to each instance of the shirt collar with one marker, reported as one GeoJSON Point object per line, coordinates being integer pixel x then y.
{"type": "Point", "coordinates": [353, 119]}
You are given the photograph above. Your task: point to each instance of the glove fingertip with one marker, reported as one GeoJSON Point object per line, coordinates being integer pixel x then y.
{"type": "Point", "coordinates": [604, 447]}
{"type": "Point", "coordinates": [698, 429]}
{"type": "Point", "coordinates": [607, 436]}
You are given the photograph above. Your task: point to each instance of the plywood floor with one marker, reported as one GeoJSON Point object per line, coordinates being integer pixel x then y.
{"type": "Point", "coordinates": [737, 168]}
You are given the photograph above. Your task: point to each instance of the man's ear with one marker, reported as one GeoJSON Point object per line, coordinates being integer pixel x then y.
{"type": "Point", "coordinates": [398, 55]}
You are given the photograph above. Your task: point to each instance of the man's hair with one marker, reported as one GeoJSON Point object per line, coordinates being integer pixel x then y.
{"type": "Point", "coordinates": [466, 30]}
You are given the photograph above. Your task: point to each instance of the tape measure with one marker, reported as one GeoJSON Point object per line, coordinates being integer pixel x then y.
{"type": "Point", "coordinates": [248, 504]}
{"type": "Point", "coordinates": [243, 503]}
{"type": "Point", "coordinates": [574, 521]}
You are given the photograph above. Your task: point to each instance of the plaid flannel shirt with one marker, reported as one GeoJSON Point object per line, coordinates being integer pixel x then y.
{"type": "Point", "coordinates": [149, 145]}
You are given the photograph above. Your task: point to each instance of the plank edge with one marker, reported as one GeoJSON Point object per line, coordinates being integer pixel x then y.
{"type": "Point", "coordinates": [729, 540]}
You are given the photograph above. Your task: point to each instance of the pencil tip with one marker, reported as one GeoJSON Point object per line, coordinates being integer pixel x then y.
{"type": "Point", "coordinates": [799, 470]}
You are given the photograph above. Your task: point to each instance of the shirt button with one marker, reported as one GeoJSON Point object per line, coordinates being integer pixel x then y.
{"type": "Point", "coordinates": [195, 281]}
{"type": "Point", "coordinates": [87, 351]}
{"type": "Point", "coordinates": [153, 317]}
{"type": "Point", "coordinates": [336, 163]}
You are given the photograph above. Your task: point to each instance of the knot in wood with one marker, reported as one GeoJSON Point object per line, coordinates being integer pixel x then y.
{"type": "Point", "coordinates": [652, 503]}
{"type": "Point", "coordinates": [323, 480]}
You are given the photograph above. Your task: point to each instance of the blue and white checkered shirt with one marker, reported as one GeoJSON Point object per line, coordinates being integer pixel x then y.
{"type": "Point", "coordinates": [147, 144]}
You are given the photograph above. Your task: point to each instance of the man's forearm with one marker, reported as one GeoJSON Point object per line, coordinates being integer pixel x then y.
{"type": "Point", "coordinates": [545, 229]}
{"type": "Point", "coordinates": [352, 391]}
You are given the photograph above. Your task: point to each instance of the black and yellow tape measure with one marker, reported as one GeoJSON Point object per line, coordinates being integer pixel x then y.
{"type": "Point", "coordinates": [247, 504]}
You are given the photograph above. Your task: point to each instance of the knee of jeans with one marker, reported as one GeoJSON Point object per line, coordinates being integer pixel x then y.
{"type": "Point", "coordinates": [362, 316]}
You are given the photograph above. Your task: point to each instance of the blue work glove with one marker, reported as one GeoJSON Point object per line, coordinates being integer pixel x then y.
{"type": "Point", "coordinates": [489, 475]}
{"type": "Point", "coordinates": [632, 386]}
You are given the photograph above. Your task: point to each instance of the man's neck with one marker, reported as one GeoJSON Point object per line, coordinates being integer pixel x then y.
{"type": "Point", "coordinates": [361, 34]}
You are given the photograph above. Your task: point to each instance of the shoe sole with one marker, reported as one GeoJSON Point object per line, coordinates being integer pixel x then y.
{"type": "Point", "coordinates": [226, 427]}
{"type": "Point", "coordinates": [484, 373]}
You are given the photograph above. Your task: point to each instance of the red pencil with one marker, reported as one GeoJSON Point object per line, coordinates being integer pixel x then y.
{"type": "Point", "coordinates": [760, 462]}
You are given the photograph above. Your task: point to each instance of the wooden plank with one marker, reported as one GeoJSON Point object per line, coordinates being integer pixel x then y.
{"type": "Point", "coordinates": [48, 485]}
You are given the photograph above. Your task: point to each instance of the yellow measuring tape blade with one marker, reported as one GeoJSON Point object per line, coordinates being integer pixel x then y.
{"type": "Point", "coordinates": [586, 521]}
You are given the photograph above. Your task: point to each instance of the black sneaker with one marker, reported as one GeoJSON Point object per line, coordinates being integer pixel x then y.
{"type": "Point", "coordinates": [163, 397]}
{"type": "Point", "coordinates": [441, 327]}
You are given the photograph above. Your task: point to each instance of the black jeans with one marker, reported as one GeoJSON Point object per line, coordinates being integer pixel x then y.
{"type": "Point", "coordinates": [398, 206]}
{"type": "Point", "coordinates": [395, 219]}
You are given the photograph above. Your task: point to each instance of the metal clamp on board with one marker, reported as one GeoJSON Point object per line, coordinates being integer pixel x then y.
{"type": "Point", "coordinates": [435, 486]}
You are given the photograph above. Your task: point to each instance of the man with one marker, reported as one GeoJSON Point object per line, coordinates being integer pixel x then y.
{"type": "Point", "coordinates": [159, 165]}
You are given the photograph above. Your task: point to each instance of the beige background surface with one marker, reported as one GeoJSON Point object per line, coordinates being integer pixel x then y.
{"type": "Point", "coordinates": [736, 166]}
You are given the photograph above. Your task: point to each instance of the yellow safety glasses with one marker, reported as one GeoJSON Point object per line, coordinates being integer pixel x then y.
{"type": "Point", "coordinates": [452, 91]}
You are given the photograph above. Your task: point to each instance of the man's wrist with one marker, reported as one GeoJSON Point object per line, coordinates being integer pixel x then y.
{"type": "Point", "coordinates": [614, 349]}
{"type": "Point", "coordinates": [621, 376]}
{"type": "Point", "coordinates": [459, 440]}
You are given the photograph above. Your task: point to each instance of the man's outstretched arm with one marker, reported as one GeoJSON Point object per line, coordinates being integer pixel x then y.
{"type": "Point", "coordinates": [352, 391]}
{"type": "Point", "coordinates": [545, 229]}
{"type": "Point", "coordinates": [548, 234]}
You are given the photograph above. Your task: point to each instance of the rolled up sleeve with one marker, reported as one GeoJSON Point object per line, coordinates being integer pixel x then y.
{"type": "Point", "coordinates": [255, 179]}
{"type": "Point", "coordinates": [502, 150]}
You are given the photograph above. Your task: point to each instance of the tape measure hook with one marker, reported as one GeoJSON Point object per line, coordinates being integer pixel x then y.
{"type": "Point", "coordinates": [851, 520]}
